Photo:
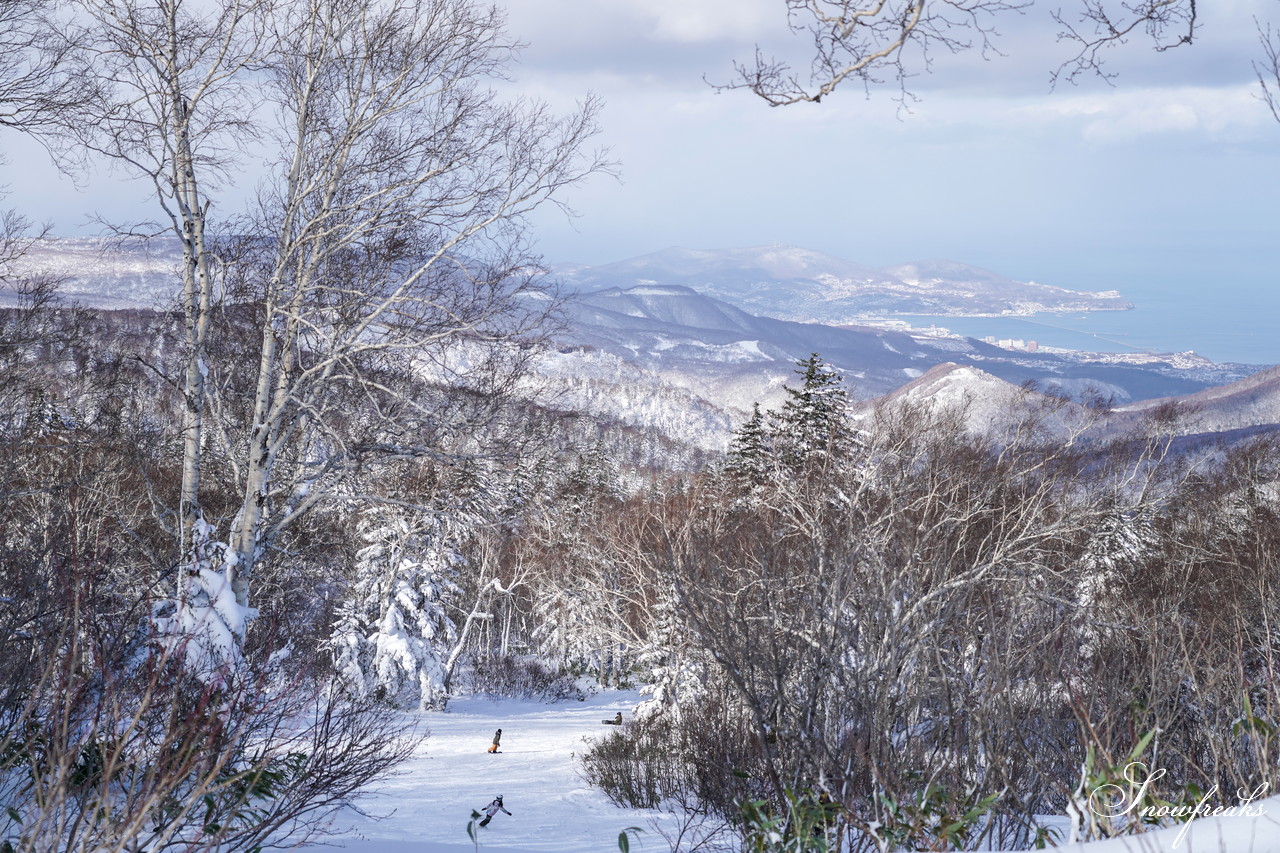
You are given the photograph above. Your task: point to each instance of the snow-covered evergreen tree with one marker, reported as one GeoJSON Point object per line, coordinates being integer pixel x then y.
{"type": "Point", "coordinates": [393, 635]}
{"type": "Point", "coordinates": [594, 476]}
{"type": "Point", "coordinates": [577, 617]}
{"type": "Point", "coordinates": [675, 679]}
{"type": "Point", "coordinates": [814, 419]}
{"type": "Point", "coordinates": [562, 626]}
{"type": "Point", "coordinates": [748, 461]}
{"type": "Point", "coordinates": [579, 631]}
{"type": "Point", "coordinates": [1119, 544]}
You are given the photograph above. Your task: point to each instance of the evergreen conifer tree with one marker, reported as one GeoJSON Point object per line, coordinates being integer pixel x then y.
{"type": "Point", "coordinates": [675, 679]}
{"type": "Point", "coordinates": [814, 420]}
{"type": "Point", "coordinates": [392, 635]}
{"type": "Point", "coordinates": [750, 450]}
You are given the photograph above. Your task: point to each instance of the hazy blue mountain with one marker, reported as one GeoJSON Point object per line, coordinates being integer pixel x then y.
{"type": "Point", "coordinates": [800, 284]}
{"type": "Point", "coordinates": [669, 356]}
{"type": "Point", "coordinates": [732, 357]}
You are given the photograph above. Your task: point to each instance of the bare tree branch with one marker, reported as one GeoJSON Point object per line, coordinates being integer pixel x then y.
{"type": "Point", "coordinates": [392, 235]}
{"type": "Point", "coordinates": [1268, 68]}
{"type": "Point", "coordinates": [35, 90]}
{"type": "Point", "coordinates": [1168, 24]}
{"type": "Point", "coordinates": [877, 41]}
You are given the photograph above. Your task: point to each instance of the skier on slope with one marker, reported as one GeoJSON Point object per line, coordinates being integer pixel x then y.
{"type": "Point", "coordinates": [493, 808]}
{"type": "Point", "coordinates": [497, 737]}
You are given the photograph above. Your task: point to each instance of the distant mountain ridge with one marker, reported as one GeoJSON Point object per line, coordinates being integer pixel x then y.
{"type": "Point", "coordinates": [1237, 410]}
{"type": "Point", "coordinates": [1248, 402]}
{"type": "Point", "coordinates": [669, 357]}
{"type": "Point", "coordinates": [106, 274]}
{"type": "Point", "coordinates": [791, 283]}
{"type": "Point", "coordinates": [779, 281]}
{"type": "Point", "coordinates": [732, 358]}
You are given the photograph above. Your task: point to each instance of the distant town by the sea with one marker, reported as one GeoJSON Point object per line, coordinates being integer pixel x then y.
{"type": "Point", "coordinates": [1229, 336]}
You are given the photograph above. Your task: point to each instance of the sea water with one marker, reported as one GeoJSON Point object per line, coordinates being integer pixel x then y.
{"type": "Point", "coordinates": [1239, 325]}
{"type": "Point", "coordinates": [1217, 294]}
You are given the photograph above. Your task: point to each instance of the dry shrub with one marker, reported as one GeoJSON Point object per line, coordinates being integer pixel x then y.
{"type": "Point", "coordinates": [522, 677]}
{"type": "Point", "coordinates": [949, 617]}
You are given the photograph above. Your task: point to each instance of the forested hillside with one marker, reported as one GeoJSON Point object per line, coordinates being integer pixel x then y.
{"type": "Point", "coordinates": [893, 628]}
{"type": "Point", "coordinates": [255, 538]}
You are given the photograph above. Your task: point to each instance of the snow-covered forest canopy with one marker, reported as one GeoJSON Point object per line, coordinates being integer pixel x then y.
{"type": "Point", "coordinates": [893, 626]}
{"type": "Point", "coordinates": [249, 542]}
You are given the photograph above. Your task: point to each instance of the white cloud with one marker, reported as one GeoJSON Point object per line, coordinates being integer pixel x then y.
{"type": "Point", "coordinates": [620, 25]}
{"type": "Point", "coordinates": [694, 21]}
{"type": "Point", "coordinates": [1125, 114]}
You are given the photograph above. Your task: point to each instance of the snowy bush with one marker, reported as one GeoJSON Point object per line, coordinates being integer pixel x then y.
{"type": "Point", "coordinates": [107, 747]}
{"type": "Point", "coordinates": [642, 766]}
{"type": "Point", "coordinates": [205, 626]}
{"type": "Point", "coordinates": [935, 628]}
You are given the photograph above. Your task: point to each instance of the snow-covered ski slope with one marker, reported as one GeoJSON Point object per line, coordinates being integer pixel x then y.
{"type": "Point", "coordinates": [553, 810]}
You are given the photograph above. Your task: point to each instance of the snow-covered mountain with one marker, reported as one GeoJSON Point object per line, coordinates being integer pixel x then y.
{"type": "Point", "coordinates": [608, 388]}
{"type": "Point", "coordinates": [987, 401]}
{"type": "Point", "coordinates": [1249, 402]}
{"type": "Point", "coordinates": [801, 284]}
{"type": "Point", "coordinates": [733, 358]}
{"type": "Point", "coordinates": [1236, 410]}
{"type": "Point", "coordinates": [107, 274]}
{"type": "Point", "coordinates": [669, 357]}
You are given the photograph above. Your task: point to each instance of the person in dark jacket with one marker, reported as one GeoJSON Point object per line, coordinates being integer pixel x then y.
{"type": "Point", "coordinates": [497, 737]}
{"type": "Point", "coordinates": [493, 808]}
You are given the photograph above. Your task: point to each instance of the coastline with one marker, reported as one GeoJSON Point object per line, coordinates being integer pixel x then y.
{"type": "Point", "coordinates": [1138, 332]}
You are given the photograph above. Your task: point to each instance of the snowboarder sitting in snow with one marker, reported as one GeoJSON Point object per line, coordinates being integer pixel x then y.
{"type": "Point", "coordinates": [616, 721]}
{"type": "Point", "coordinates": [493, 808]}
{"type": "Point", "coordinates": [497, 736]}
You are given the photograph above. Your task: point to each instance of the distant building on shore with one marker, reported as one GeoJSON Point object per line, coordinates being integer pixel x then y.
{"type": "Point", "coordinates": [1014, 343]}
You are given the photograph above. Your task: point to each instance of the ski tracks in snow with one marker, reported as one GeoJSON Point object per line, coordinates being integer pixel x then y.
{"type": "Point", "coordinates": [553, 810]}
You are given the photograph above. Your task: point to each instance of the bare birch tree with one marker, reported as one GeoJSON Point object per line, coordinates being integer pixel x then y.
{"type": "Point", "coordinates": [34, 94]}
{"type": "Point", "coordinates": [386, 247]}
{"type": "Point", "coordinates": [395, 219]}
{"type": "Point", "coordinates": [167, 102]}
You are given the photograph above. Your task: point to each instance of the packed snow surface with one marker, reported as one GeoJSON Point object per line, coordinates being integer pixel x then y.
{"type": "Point", "coordinates": [553, 810]}
{"type": "Point", "coordinates": [1259, 834]}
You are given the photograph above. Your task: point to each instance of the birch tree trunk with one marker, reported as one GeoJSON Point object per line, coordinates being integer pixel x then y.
{"type": "Point", "coordinates": [197, 293]}
{"type": "Point", "coordinates": [164, 101]}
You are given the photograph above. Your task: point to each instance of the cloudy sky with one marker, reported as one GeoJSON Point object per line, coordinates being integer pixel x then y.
{"type": "Point", "coordinates": [1166, 182]}
{"type": "Point", "coordinates": [1170, 176]}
